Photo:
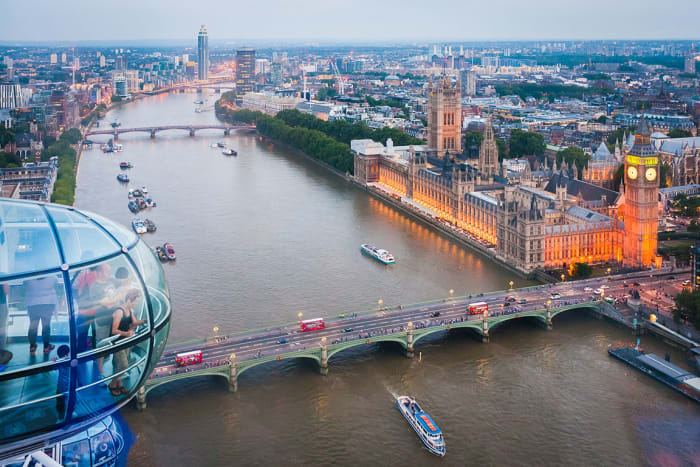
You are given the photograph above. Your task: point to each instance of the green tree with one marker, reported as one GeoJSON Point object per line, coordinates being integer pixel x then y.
{"type": "Point", "coordinates": [325, 94]}
{"type": "Point", "coordinates": [679, 133]}
{"type": "Point", "coordinates": [664, 170]}
{"type": "Point", "coordinates": [581, 270]}
{"type": "Point", "coordinates": [525, 143]}
{"type": "Point", "coordinates": [8, 159]}
{"type": "Point", "coordinates": [687, 205]}
{"type": "Point", "coordinates": [687, 307]}
{"type": "Point", "coordinates": [72, 136]}
{"type": "Point", "coordinates": [619, 175]}
{"type": "Point", "coordinates": [472, 137]}
{"type": "Point", "coordinates": [7, 135]}
{"type": "Point", "coordinates": [573, 155]}
{"type": "Point", "coordinates": [618, 135]}
{"type": "Point", "coordinates": [602, 119]}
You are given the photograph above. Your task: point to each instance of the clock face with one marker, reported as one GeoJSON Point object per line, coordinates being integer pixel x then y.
{"type": "Point", "coordinates": [632, 172]}
{"type": "Point", "coordinates": [651, 174]}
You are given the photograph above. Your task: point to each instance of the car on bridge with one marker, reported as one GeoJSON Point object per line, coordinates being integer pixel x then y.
{"type": "Point", "coordinates": [434, 314]}
{"type": "Point", "coordinates": [348, 329]}
{"type": "Point", "coordinates": [282, 340]}
{"type": "Point", "coordinates": [555, 296]}
{"type": "Point", "coordinates": [522, 300]}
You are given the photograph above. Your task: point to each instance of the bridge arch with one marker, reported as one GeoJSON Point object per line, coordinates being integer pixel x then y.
{"type": "Point", "coordinates": [337, 348]}
{"type": "Point", "coordinates": [222, 371]}
{"type": "Point", "coordinates": [531, 317]}
{"type": "Point", "coordinates": [476, 325]}
{"type": "Point", "coordinates": [571, 308]}
{"type": "Point", "coordinates": [245, 366]}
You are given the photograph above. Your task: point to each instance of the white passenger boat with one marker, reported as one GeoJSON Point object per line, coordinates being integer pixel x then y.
{"type": "Point", "coordinates": [380, 255]}
{"type": "Point", "coordinates": [424, 426]}
{"type": "Point", "coordinates": [139, 225]}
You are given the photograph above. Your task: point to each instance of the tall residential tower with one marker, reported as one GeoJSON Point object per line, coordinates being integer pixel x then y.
{"type": "Point", "coordinates": [202, 54]}
{"type": "Point", "coordinates": [245, 71]}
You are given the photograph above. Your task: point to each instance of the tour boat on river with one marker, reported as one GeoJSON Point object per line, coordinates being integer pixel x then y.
{"type": "Point", "coordinates": [122, 177]}
{"type": "Point", "coordinates": [424, 426]}
{"type": "Point", "coordinates": [229, 152]}
{"type": "Point", "coordinates": [380, 255]}
{"type": "Point", "coordinates": [139, 225]}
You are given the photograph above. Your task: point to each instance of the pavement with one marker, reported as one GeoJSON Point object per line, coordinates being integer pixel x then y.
{"type": "Point", "coordinates": [395, 319]}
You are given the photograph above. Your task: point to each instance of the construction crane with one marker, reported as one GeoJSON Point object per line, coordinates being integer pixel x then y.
{"type": "Point", "coordinates": [338, 77]}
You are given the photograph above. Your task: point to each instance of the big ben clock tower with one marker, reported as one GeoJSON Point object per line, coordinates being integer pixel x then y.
{"type": "Point", "coordinates": [641, 211]}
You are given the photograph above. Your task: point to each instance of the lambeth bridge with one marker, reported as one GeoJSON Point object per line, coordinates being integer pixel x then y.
{"type": "Point", "coordinates": [152, 130]}
{"type": "Point", "coordinates": [231, 355]}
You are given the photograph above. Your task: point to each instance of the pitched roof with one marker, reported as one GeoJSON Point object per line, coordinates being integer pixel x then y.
{"type": "Point", "coordinates": [587, 191]}
{"type": "Point", "coordinates": [602, 153]}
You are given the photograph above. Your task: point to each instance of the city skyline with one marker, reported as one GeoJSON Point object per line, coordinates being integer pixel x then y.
{"type": "Point", "coordinates": [389, 21]}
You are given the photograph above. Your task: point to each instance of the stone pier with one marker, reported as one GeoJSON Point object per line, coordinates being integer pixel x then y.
{"type": "Point", "coordinates": [485, 331]}
{"type": "Point", "coordinates": [141, 399]}
{"type": "Point", "coordinates": [232, 378]}
{"type": "Point", "coordinates": [409, 342]}
{"type": "Point", "coordinates": [323, 364]}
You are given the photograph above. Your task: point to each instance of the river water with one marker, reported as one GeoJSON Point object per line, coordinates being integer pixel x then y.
{"type": "Point", "coordinates": [268, 234]}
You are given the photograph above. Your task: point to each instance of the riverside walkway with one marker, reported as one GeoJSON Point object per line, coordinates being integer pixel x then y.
{"type": "Point", "coordinates": [231, 355]}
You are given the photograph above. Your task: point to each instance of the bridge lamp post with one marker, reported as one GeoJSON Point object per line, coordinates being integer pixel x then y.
{"type": "Point", "coordinates": [380, 301]}
{"type": "Point", "coordinates": [232, 357]}
{"type": "Point", "coordinates": [609, 271]}
{"type": "Point", "coordinates": [216, 331]}
{"type": "Point", "coordinates": [452, 292]}
{"type": "Point", "coordinates": [300, 314]}
{"type": "Point", "coordinates": [563, 277]}
{"type": "Point", "coordinates": [511, 284]}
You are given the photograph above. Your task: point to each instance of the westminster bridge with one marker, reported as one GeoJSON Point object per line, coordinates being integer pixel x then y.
{"type": "Point", "coordinates": [229, 356]}
{"type": "Point", "coordinates": [152, 130]}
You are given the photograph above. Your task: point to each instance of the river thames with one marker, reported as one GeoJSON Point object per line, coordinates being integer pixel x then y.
{"type": "Point", "coordinates": [268, 234]}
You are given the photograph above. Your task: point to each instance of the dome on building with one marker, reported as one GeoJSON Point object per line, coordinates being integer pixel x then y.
{"type": "Point", "coordinates": [70, 353]}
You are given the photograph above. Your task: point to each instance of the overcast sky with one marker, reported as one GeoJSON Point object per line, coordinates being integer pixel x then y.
{"type": "Point", "coordinates": [348, 20]}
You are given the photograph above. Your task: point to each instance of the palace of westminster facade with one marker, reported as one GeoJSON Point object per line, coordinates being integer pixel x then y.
{"type": "Point", "coordinates": [544, 219]}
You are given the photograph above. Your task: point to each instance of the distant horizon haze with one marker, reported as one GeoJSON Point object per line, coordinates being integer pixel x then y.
{"type": "Point", "coordinates": [360, 21]}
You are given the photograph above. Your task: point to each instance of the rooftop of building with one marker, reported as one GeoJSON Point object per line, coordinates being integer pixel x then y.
{"type": "Point", "coordinates": [586, 191]}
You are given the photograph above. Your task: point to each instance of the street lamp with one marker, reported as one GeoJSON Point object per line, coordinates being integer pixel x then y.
{"type": "Point", "coordinates": [608, 271]}
{"type": "Point", "coordinates": [410, 324]}
{"type": "Point", "coordinates": [323, 340]}
{"type": "Point", "coordinates": [563, 277]}
{"type": "Point", "coordinates": [511, 285]}
{"type": "Point", "coordinates": [549, 304]}
{"type": "Point", "coordinates": [216, 329]}
{"type": "Point", "coordinates": [232, 357]}
{"type": "Point", "coordinates": [300, 314]}
{"type": "Point", "coordinates": [380, 301]}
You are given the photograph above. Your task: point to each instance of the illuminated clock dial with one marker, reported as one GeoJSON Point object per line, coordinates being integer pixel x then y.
{"type": "Point", "coordinates": [632, 172]}
{"type": "Point", "coordinates": [651, 174]}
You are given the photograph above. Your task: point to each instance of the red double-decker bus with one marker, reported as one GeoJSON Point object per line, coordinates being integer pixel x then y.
{"type": "Point", "coordinates": [313, 325]}
{"type": "Point", "coordinates": [188, 358]}
{"type": "Point", "coordinates": [478, 308]}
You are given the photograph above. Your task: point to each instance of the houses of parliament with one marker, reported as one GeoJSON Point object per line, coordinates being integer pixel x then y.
{"type": "Point", "coordinates": [532, 219]}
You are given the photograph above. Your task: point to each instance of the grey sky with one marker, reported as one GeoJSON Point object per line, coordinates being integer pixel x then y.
{"type": "Point", "coordinates": [365, 20]}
